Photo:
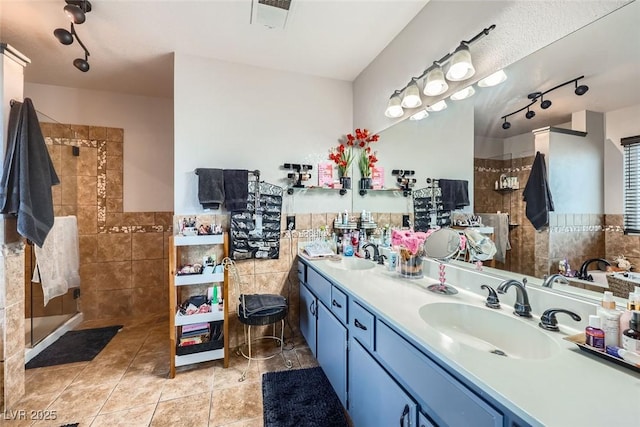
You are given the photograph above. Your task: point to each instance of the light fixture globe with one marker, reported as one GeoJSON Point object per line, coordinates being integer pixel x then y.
{"type": "Point", "coordinates": [75, 14]}
{"type": "Point", "coordinates": [581, 90]}
{"type": "Point", "coordinates": [438, 106]}
{"type": "Point", "coordinates": [506, 125]}
{"type": "Point", "coordinates": [411, 97]}
{"type": "Point", "coordinates": [493, 79]}
{"type": "Point", "coordinates": [63, 36]}
{"type": "Point", "coordinates": [465, 93]}
{"type": "Point", "coordinates": [434, 83]}
{"type": "Point", "coordinates": [394, 107]}
{"type": "Point", "coordinates": [461, 67]}
{"type": "Point", "coordinates": [530, 114]}
{"type": "Point", "coordinates": [81, 64]}
{"type": "Point", "coordinates": [545, 104]}
{"type": "Point", "coordinates": [419, 115]}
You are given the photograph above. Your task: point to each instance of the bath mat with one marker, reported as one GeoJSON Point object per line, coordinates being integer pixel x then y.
{"type": "Point", "coordinates": [74, 346]}
{"type": "Point", "coordinates": [300, 398]}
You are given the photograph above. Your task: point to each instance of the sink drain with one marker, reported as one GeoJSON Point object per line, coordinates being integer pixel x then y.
{"type": "Point", "coordinates": [498, 352]}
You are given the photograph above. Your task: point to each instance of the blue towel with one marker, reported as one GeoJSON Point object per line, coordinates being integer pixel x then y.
{"type": "Point", "coordinates": [28, 174]}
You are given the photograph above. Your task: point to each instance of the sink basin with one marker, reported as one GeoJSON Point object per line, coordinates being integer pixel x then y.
{"type": "Point", "coordinates": [488, 331]}
{"type": "Point", "coordinates": [350, 263]}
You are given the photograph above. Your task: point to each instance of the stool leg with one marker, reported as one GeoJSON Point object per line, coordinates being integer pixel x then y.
{"type": "Point", "coordinates": [248, 342]}
{"type": "Point", "coordinates": [287, 362]}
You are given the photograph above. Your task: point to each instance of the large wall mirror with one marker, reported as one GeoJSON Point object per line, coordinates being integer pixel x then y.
{"type": "Point", "coordinates": [606, 52]}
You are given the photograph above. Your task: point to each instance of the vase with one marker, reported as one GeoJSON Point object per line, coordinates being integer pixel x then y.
{"type": "Point", "coordinates": [410, 267]}
{"type": "Point", "coordinates": [346, 182]}
{"type": "Point", "coordinates": [365, 183]}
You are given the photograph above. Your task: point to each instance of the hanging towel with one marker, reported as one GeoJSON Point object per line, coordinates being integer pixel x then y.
{"type": "Point", "coordinates": [537, 194]}
{"type": "Point", "coordinates": [58, 261]}
{"type": "Point", "coordinates": [455, 193]}
{"type": "Point", "coordinates": [236, 189]}
{"type": "Point", "coordinates": [210, 188]}
{"type": "Point", "coordinates": [28, 174]}
{"type": "Point", "coordinates": [500, 224]}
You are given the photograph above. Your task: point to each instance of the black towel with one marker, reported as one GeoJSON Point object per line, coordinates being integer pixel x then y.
{"type": "Point", "coordinates": [455, 193]}
{"type": "Point", "coordinates": [236, 189]}
{"type": "Point", "coordinates": [210, 188]}
{"type": "Point", "coordinates": [537, 194]}
{"type": "Point", "coordinates": [28, 174]}
{"type": "Point", "coordinates": [263, 304]}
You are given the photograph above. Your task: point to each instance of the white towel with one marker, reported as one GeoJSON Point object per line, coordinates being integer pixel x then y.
{"type": "Point", "coordinates": [500, 224]}
{"type": "Point", "coordinates": [58, 261]}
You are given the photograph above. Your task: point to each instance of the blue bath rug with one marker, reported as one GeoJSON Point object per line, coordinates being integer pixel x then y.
{"type": "Point", "coordinates": [74, 346]}
{"type": "Point", "coordinates": [300, 398]}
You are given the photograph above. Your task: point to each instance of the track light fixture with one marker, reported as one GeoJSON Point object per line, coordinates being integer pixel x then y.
{"type": "Point", "coordinates": [460, 68]}
{"type": "Point", "coordinates": [544, 103]}
{"type": "Point", "coordinates": [76, 10]}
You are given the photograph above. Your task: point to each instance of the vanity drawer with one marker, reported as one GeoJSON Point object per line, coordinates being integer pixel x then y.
{"type": "Point", "coordinates": [302, 272]}
{"type": "Point", "coordinates": [320, 286]}
{"type": "Point", "coordinates": [362, 325]}
{"type": "Point", "coordinates": [423, 420]}
{"type": "Point", "coordinates": [339, 304]}
{"type": "Point", "coordinates": [443, 397]}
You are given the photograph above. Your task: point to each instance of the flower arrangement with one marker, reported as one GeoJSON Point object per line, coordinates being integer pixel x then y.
{"type": "Point", "coordinates": [409, 242]}
{"type": "Point", "coordinates": [342, 155]}
{"type": "Point", "coordinates": [367, 159]}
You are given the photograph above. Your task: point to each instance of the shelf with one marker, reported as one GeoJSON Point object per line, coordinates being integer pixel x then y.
{"type": "Point", "coordinates": [213, 316]}
{"type": "Point", "coordinates": [505, 190]}
{"type": "Point", "coordinates": [342, 191]}
{"type": "Point", "coordinates": [209, 239]}
{"type": "Point", "coordinates": [198, 279]}
{"type": "Point", "coordinates": [203, 356]}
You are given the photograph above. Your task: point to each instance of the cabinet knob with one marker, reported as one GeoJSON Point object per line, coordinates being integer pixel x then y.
{"type": "Point", "coordinates": [336, 304]}
{"type": "Point", "coordinates": [405, 412]}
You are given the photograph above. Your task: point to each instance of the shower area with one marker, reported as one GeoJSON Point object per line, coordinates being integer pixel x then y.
{"type": "Point", "coordinates": [45, 323]}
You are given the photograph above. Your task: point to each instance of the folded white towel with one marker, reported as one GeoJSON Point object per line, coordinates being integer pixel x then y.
{"type": "Point", "coordinates": [58, 261]}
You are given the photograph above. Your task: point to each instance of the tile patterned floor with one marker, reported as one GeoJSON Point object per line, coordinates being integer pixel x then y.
{"type": "Point", "coordinates": [127, 385]}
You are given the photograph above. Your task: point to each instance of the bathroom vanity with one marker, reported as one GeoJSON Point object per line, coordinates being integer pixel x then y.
{"type": "Point", "coordinates": [396, 353]}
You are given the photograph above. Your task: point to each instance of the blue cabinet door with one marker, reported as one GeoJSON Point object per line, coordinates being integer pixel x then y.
{"type": "Point", "coordinates": [375, 399]}
{"type": "Point", "coordinates": [332, 351]}
{"type": "Point", "coordinates": [308, 310]}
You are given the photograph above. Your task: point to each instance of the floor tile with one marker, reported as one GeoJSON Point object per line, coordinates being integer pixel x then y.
{"type": "Point", "coordinates": [139, 416]}
{"type": "Point", "coordinates": [236, 403]}
{"type": "Point", "coordinates": [192, 411]}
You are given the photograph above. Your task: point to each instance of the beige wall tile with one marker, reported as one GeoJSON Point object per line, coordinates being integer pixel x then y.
{"type": "Point", "coordinates": [14, 321]}
{"type": "Point", "coordinates": [80, 131]}
{"type": "Point", "coordinates": [68, 190]}
{"type": "Point", "coordinates": [139, 218]}
{"type": "Point", "coordinates": [147, 246]}
{"type": "Point", "coordinates": [114, 247]}
{"type": "Point", "coordinates": [115, 303]}
{"type": "Point", "coordinates": [114, 184]}
{"type": "Point", "coordinates": [89, 276]}
{"type": "Point", "coordinates": [163, 218]}
{"type": "Point", "coordinates": [147, 273]}
{"type": "Point", "coordinates": [150, 301]}
{"type": "Point", "coordinates": [88, 220]}
{"type": "Point", "coordinates": [115, 163]}
{"type": "Point", "coordinates": [14, 380]}
{"type": "Point", "coordinates": [87, 190]}
{"type": "Point", "coordinates": [114, 205]}
{"type": "Point", "coordinates": [88, 162]}
{"type": "Point", "coordinates": [88, 248]}
{"type": "Point", "coordinates": [114, 275]}
{"type": "Point", "coordinates": [115, 135]}
{"type": "Point", "coordinates": [97, 132]}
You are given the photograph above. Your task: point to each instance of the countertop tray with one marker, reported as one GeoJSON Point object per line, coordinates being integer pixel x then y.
{"type": "Point", "coordinates": [579, 340]}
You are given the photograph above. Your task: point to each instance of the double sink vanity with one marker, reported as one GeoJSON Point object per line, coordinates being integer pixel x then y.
{"type": "Point", "coordinates": [398, 354]}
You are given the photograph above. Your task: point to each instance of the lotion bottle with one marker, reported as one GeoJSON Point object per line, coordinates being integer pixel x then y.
{"type": "Point", "coordinates": [632, 304]}
{"type": "Point", "coordinates": [610, 319]}
{"type": "Point", "coordinates": [594, 335]}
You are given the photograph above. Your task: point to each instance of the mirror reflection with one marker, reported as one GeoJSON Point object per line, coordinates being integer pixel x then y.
{"type": "Point", "coordinates": [585, 173]}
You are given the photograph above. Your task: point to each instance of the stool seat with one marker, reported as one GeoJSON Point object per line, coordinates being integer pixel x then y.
{"type": "Point", "coordinates": [265, 317]}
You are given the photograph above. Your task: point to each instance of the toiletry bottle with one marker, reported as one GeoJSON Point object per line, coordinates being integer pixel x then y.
{"type": "Point", "coordinates": [594, 335]}
{"type": "Point", "coordinates": [610, 319]}
{"type": "Point", "coordinates": [632, 304]}
{"type": "Point", "coordinates": [345, 217]}
{"type": "Point", "coordinates": [631, 336]}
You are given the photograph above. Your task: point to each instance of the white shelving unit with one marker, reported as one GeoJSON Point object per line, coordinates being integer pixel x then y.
{"type": "Point", "coordinates": [176, 285]}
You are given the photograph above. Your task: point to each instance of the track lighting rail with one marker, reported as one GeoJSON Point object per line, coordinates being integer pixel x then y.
{"type": "Point", "coordinates": [544, 104]}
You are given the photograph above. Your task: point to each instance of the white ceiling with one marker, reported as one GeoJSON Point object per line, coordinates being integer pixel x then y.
{"type": "Point", "coordinates": [131, 42]}
{"type": "Point", "coordinates": [131, 45]}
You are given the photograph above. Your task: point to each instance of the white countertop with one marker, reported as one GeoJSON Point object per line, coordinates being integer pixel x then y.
{"type": "Point", "coordinates": [570, 388]}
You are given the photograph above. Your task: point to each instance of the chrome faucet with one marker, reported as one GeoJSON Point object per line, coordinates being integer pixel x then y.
{"type": "Point", "coordinates": [582, 273]}
{"type": "Point", "coordinates": [376, 252]}
{"type": "Point", "coordinates": [548, 280]}
{"type": "Point", "coordinates": [522, 307]}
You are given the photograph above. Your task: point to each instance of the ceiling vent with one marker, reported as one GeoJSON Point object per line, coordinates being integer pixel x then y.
{"type": "Point", "coordinates": [270, 13]}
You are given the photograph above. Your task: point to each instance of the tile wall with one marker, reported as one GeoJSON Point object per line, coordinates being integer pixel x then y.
{"type": "Point", "coordinates": [123, 255]}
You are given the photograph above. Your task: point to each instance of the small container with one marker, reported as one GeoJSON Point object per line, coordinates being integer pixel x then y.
{"type": "Point", "coordinates": [594, 335]}
{"type": "Point", "coordinates": [392, 261]}
{"type": "Point", "coordinates": [631, 336]}
{"type": "Point", "coordinates": [610, 319]}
